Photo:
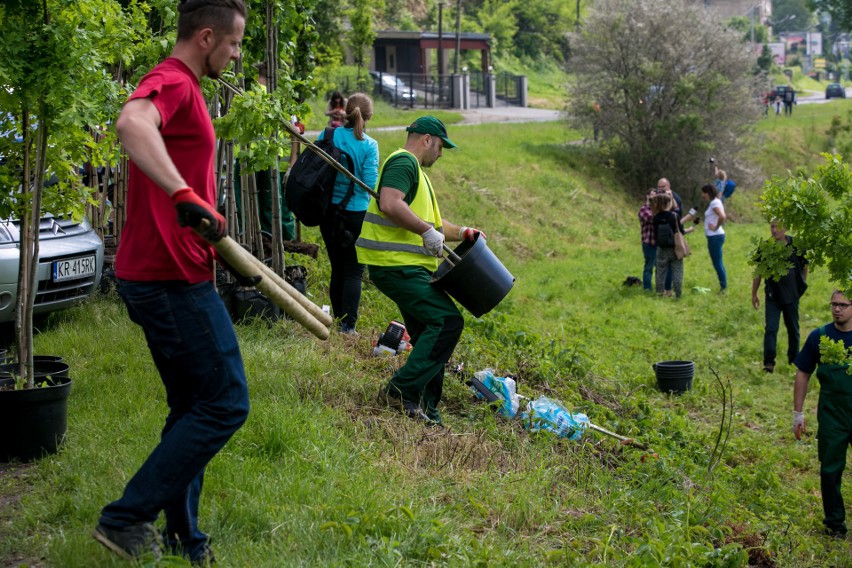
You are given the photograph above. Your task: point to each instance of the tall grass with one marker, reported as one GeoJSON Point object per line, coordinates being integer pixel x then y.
{"type": "Point", "coordinates": [320, 475]}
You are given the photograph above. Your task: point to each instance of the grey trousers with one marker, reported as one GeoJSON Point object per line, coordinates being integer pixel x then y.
{"type": "Point", "coordinates": [666, 260]}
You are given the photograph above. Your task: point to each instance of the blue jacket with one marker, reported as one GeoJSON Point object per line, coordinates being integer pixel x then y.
{"type": "Point", "coordinates": [365, 158]}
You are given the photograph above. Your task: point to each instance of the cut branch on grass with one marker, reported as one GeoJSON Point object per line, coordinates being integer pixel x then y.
{"type": "Point", "coordinates": [727, 391]}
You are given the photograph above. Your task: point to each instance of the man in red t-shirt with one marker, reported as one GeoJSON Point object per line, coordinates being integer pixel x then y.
{"type": "Point", "coordinates": [165, 276]}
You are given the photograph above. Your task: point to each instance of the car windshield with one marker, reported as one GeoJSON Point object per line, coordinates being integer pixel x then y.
{"type": "Point", "coordinates": [392, 81]}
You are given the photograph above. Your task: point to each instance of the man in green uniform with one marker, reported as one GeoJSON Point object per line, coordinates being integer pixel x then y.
{"type": "Point", "coordinates": [401, 241]}
{"type": "Point", "coordinates": [834, 409]}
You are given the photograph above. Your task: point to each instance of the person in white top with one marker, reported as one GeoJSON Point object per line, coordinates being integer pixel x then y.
{"type": "Point", "coordinates": [714, 218]}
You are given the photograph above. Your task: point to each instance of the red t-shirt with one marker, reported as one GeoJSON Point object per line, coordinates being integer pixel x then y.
{"type": "Point", "coordinates": [153, 245]}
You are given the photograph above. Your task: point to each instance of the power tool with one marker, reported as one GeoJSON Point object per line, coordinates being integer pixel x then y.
{"type": "Point", "coordinates": [393, 341]}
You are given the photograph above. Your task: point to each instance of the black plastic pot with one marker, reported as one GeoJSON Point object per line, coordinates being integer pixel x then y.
{"type": "Point", "coordinates": [674, 376]}
{"type": "Point", "coordinates": [478, 281]}
{"type": "Point", "coordinates": [42, 368]}
{"type": "Point", "coordinates": [33, 421]}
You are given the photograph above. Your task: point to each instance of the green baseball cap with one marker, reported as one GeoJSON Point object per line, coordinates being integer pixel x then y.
{"type": "Point", "coordinates": [430, 125]}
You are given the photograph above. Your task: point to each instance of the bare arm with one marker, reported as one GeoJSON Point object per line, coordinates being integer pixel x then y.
{"type": "Point", "coordinates": [138, 128]}
{"type": "Point", "coordinates": [392, 203]}
{"type": "Point", "coordinates": [721, 213]}
{"type": "Point", "coordinates": [755, 286]}
{"type": "Point", "coordinates": [800, 389]}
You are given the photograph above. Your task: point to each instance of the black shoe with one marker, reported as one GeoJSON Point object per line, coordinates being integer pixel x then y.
{"type": "Point", "coordinates": [768, 367]}
{"type": "Point", "coordinates": [388, 398]}
{"type": "Point", "coordinates": [131, 542]}
{"type": "Point", "coordinates": [413, 411]}
{"type": "Point", "coordinates": [205, 558]}
{"type": "Point", "coordinates": [836, 533]}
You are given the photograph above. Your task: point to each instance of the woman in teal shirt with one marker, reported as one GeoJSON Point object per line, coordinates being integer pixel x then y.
{"type": "Point", "coordinates": [341, 227]}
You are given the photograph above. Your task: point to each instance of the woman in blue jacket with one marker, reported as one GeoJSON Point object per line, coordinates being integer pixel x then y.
{"type": "Point", "coordinates": [342, 225]}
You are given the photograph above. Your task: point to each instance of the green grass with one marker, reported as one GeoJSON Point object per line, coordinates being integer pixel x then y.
{"type": "Point", "coordinates": [321, 476]}
{"type": "Point", "coordinates": [787, 143]}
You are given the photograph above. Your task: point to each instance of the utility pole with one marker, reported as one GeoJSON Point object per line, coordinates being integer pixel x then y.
{"type": "Point", "coordinates": [440, 39]}
{"type": "Point", "coordinates": [577, 23]}
{"type": "Point", "coordinates": [458, 36]}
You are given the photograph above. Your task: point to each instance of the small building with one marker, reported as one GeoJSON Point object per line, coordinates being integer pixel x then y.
{"type": "Point", "coordinates": [398, 52]}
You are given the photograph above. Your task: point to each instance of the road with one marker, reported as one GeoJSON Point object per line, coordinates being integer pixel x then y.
{"type": "Point", "coordinates": [818, 97]}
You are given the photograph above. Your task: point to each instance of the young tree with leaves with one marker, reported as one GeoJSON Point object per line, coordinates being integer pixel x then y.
{"type": "Point", "coordinates": [674, 87]}
{"type": "Point", "coordinates": [54, 62]}
{"type": "Point", "coordinates": [817, 207]}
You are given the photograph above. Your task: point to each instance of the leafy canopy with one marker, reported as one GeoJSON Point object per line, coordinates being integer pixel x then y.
{"type": "Point", "coordinates": [673, 85]}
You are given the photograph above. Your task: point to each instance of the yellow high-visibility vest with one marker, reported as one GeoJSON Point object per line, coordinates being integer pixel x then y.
{"type": "Point", "coordinates": [384, 243]}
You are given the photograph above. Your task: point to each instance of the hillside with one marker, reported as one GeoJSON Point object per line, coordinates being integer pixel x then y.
{"type": "Point", "coordinates": [321, 475]}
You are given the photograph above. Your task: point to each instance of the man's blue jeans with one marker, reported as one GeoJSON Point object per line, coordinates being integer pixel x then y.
{"type": "Point", "coordinates": [650, 254]}
{"type": "Point", "coordinates": [714, 246]}
{"type": "Point", "coordinates": [774, 311]}
{"type": "Point", "coordinates": [192, 341]}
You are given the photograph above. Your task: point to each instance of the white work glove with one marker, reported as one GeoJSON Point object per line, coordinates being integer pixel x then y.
{"type": "Point", "coordinates": [798, 424]}
{"type": "Point", "coordinates": [433, 241]}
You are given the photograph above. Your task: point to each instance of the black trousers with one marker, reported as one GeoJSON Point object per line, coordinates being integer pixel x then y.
{"type": "Point", "coordinates": [339, 233]}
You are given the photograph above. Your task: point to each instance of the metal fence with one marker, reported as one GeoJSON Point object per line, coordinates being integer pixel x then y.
{"type": "Point", "coordinates": [418, 90]}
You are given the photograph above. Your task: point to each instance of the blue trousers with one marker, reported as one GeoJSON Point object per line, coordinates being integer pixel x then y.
{"type": "Point", "coordinates": [194, 347]}
{"type": "Point", "coordinates": [714, 246]}
{"type": "Point", "coordinates": [774, 311]}
{"type": "Point", "coordinates": [650, 254]}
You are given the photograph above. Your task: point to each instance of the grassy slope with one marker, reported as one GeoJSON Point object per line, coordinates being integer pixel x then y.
{"type": "Point", "coordinates": [320, 476]}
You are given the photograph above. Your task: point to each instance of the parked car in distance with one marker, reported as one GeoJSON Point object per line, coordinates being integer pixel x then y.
{"type": "Point", "coordinates": [835, 90]}
{"type": "Point", "coordinates": [71, 261]}
{"type": "Point", "coordinates": [392, 88]}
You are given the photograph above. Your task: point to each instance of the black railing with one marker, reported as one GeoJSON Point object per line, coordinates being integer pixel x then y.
{"type": "Point", "coordinates": [410, 90]}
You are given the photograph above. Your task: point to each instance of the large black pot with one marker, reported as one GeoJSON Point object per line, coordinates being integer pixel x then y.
{"type": "Point", "coordinates": [478, 280]}
{"type": "Point", "coordinates": [44, 366]}
{"type": "Point", "coordinates": [33, 421]}
{"type": "Point", "coordinates": [674, 376]}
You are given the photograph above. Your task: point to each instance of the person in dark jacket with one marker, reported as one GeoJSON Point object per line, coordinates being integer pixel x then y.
{"type": "Point", "coordinates": [782, 298]}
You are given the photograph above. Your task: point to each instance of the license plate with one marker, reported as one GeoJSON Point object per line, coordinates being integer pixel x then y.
{"type": "Point", "coordinates": [73, 268]}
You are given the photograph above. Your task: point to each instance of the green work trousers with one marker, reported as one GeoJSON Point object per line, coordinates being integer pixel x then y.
{"type": "Point", "coordinates": [435, 325]}
{"type": "Point", "coordinates": [834, 414]}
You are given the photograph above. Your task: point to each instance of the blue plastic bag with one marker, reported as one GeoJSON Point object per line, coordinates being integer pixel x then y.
{"type": "Point", "coordinates": [504, 388]}
{"type": "Point", "coordinates": [545, 414]}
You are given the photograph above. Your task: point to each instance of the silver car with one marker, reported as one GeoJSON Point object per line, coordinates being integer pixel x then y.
{"type": "Point", "coordinates": [71, 261]}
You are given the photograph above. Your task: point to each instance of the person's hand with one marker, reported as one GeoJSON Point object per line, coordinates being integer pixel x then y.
{"type": "Point", "coordinates": [755, 301]}
{"type": "Point", "coordinates": [433, 241]}
{"type": "Point", "coordinates": [798, 424]}
{"type": "Point", "coordinates": [192, 210]}
{"type": "Point", "coordinates": [469, 233]}
{"type": "Point", "coordinates": [245, 281]}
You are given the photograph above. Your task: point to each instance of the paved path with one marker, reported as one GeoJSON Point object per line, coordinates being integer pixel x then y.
{"type": "Point", "coordinates": [509, 114]}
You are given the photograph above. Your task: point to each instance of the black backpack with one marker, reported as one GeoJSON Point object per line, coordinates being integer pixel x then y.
{"type": "Point", "coordinates": [664, 234]}
{"type": "Point", "coordinates": [310, 183]}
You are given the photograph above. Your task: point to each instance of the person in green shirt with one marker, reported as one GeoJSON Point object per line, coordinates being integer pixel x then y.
{"type": "Point", "coordinates": [401, 242]}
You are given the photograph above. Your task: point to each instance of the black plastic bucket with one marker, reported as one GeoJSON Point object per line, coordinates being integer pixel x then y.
{"type": "Point", "coordinates": [33, 421]}
{"type": "Point", "coordinates": [478, 281]}
{"type": "Point", "coordinates": [674, 376]}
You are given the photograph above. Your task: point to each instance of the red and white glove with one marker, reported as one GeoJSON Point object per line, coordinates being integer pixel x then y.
{"type": "Point", "coordinates": [798, 424]}
{"type": "Point", "coordinates": [192, 210]}
{"type": "Point", "coordinates": [469, 233]}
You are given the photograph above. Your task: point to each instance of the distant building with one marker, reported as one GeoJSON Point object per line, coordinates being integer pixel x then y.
{"type": "Point", "coordinates": [399, 52]}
